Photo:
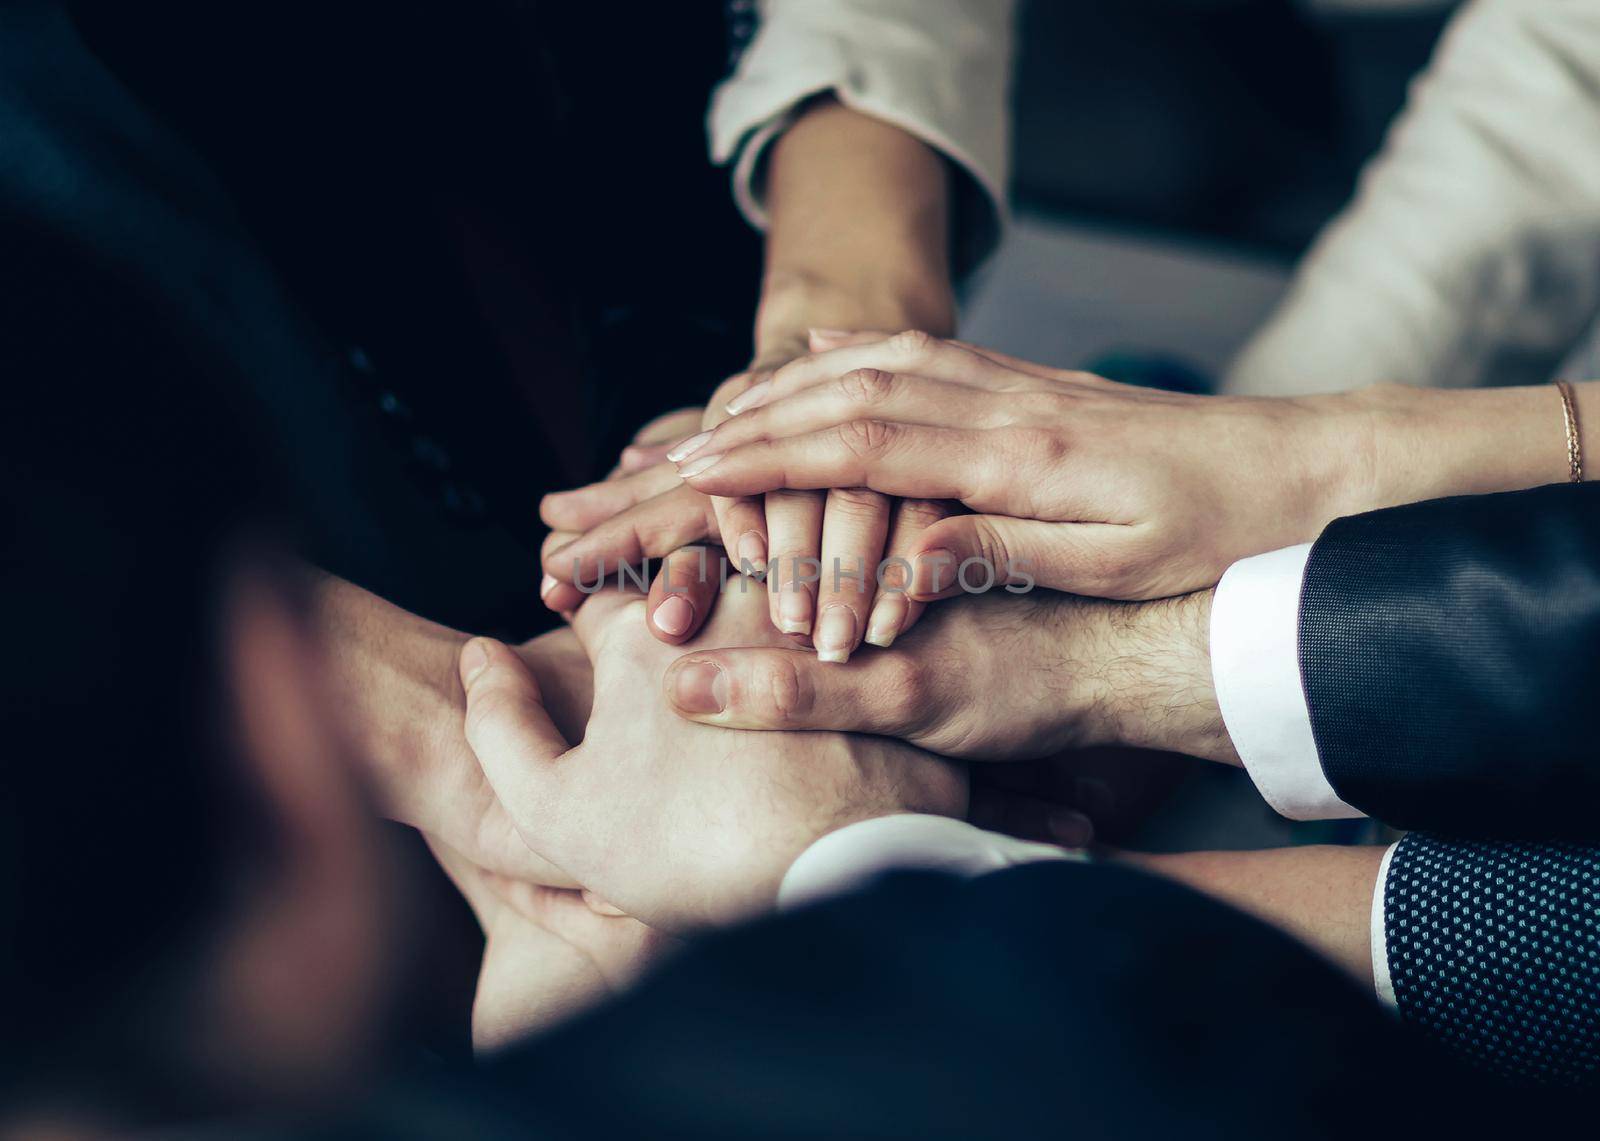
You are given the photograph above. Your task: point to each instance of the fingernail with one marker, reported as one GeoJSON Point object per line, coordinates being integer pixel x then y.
{"type": "Point", "coordinates": [474, 660]}
{"type": "Point", "coordinates": [749, 398]}
{"type": "Point", "coordinates": [794, 610]}
{"type": "Point", "coordinates": [883, 626]}
{"type": "Point", "coordinates": [752, 551]}
{"type": "Point", "coordinates": [835, 632]}
{"type": "Point", "coordinates": [688, 447]}
{"type": "Point", "coordinates": [1070, 829]}
{"type": "Point", "coordinates": [696, 466]}
{"type": "Point", "coordinates": [827, 334]}
{"type": "Point", "coordinates": [699, 687]}
{"type": "Point", "coordinates": [935, 570]}
{"type": "Point", "coordinates": [547, 584]}
{"type": "Point", "coordinates": [674, 616]}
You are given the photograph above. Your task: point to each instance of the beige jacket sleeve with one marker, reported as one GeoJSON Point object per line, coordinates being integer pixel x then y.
{"type": "Point", "coordinates": [1471, 252]}
{"type": "Point", "coordinates": [937, 69]}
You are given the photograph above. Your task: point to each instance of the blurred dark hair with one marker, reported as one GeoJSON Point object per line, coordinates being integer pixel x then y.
{"type": "Point", "coordinates": [130, 486]}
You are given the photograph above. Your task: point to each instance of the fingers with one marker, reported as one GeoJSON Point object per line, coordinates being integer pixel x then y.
{"type": "Point", "coordinates": [792, 689]}
{"type": "Point", "coordinates": [895, 611]}
{"type": "Point", "coordinates": [855, 524]}
{"type": "Point", "coordinates": [653, 529]}
{"type": "Point", "coordinates": [974, 553]}
{"type": "Point", "coordinates": [794, 537]}
{"type": "Point", "coordinates": [683, 593]}
{"type": "Point", "coordinates": [821, 340]}
{"type": "Point", "coordinates": [921, 354]}
{"type": "Point", "coordinates": [742, 524]}
{"type": "Point", "coordinates": [1029, 818]}
{"type": "Point", "coordinates": [640, 457]}
{"type": "Point", "coordinates": [897, 459]}
{"type": "Point", "coordinates": [562, 597]}
{"type": "Point", "coordinates": [864, 394]}
{"type": "Point", "coordinates": [511, 734]}
{"type": "Point", "coordinates": [669, 427]}
{"type": "Point", "coordinates": [585, 507]}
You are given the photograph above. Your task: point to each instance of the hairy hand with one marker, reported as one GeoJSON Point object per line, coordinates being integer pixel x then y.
{"type": "Point", "coordinates": [991, 676]}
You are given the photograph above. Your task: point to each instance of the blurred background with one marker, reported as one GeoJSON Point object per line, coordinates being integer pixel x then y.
{"type": "Point", "coordinates": [1172, 160]}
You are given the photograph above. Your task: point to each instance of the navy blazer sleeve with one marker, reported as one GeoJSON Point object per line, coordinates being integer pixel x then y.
{"type": "Point", "coordinates": [1450, 652]}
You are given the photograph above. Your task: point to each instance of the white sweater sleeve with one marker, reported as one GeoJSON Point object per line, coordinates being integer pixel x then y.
{"type": "Point", "coordinates": [1471, 252]}
{"type": "Point", "coordinates": [937, 69]}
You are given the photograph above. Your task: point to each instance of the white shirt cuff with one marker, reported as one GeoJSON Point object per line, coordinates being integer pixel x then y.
{"type": "Point", "coordinates": [856, 854]}
{"type": "Point", "coordinates": [1255, 665]}
{"type": "Point", "coordinates": [1381, 981]}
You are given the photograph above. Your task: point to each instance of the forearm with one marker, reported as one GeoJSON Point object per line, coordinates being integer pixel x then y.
{"type": "Point", "coordinates": [1389, 445]}
{"type": "Point", "coordinates": [395, 678]}
{"type": "Point", "coordinates": [859, 231]}
{"type": "Point", "coordinates": [1149, 684]}
{"type": "Point", "coordinates": [1319, 895]}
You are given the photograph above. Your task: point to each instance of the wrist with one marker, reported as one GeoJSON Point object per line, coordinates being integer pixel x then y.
{"type": "Point", "coordinates": [888, 299]}
{"type": "Point", "coordinates": [396, 677]}
{"type": "Point", "coordinates": [1412, 444]}
{"type": "Point", "coordinates": [1154, 689]}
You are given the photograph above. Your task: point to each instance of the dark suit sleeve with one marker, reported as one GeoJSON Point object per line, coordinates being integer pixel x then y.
{"type": "Point", "coordinates": [1450, 653]}
{"type": "Point", "coordinates": [1493, 949]}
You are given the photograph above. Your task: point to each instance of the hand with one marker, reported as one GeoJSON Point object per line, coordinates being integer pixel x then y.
{"type": "Point", "coordinates": [1083, 484]}
{"type": "Point", "coordinates": [547, 954]}
{"type": "Point", "coordinates": [649, 514]}
{"type": "Point", "coordinates": [825, 548]}
{"type": "Point", "coordinates": [395, 676]}
{"type": "Point", "coordinates": [990, 677]}
{"type": "Point", "coordinates": [676, 823]}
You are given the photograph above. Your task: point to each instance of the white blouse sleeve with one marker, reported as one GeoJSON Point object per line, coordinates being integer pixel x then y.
{"type": "Point", "coordinates": [1471, 252]}
{"type": "Point", "coordinates": [937, 69]}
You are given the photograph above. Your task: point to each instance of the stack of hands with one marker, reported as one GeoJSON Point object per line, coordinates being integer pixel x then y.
{"type": "Point", "coordinates": [967, 557]}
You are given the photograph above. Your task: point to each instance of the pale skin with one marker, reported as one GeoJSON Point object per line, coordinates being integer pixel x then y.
{"type": "Point", "coordinates": [678, 824]}
{"type": "Point", "coordinates": [1114, 491]}
{"type": "Point", "coordinates": [858, 238]}
{"type": "Point", "coordinates": [394, 675]}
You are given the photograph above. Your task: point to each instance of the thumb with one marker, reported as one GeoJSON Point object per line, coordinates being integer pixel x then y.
{"type": "Point", "coordinates": [512, 736]}
{"type": "Point", "coordinates": [974, 553]}
{"type": "Point", "coordinates": [792, 689]}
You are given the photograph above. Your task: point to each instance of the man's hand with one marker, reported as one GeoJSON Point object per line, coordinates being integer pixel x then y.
{"type": "Point", "coordinates": [675, 823]}
{"type": "Point", "coordinates": [547, 954]}
{"type": "Point", "coordinates": [992, 676]}
{"type": "Point", "coordinates": [396, 679]}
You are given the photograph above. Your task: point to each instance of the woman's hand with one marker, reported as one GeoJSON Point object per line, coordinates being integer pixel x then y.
{"type": "Point", "coordinates": [1082, 484]}
{"type": "Point", "coordinates": [822, 549]}
{"type": "Point", "coordinates": [1099, 488]}
{"type": "Point", "coordinates": [858, 227]}
{"type": "Point", "coordinates": [644, 511]}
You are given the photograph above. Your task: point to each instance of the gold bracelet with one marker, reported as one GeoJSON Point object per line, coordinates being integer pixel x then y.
{"type": "Point", "coordinates": [1569, 414]}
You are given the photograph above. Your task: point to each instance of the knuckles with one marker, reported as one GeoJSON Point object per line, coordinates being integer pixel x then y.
{"type": "Point", "coordinates": [866, 439]}
{"type": "Point", "coordinates": [913, 344]}
{"type": "Point", "coordinates": [780, 696]}
{"type": "Point", "coordinates": [866, 387]}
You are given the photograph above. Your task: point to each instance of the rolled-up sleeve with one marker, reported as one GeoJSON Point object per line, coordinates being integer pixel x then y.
{"type": "Point", "coordinates": [937, 69]}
